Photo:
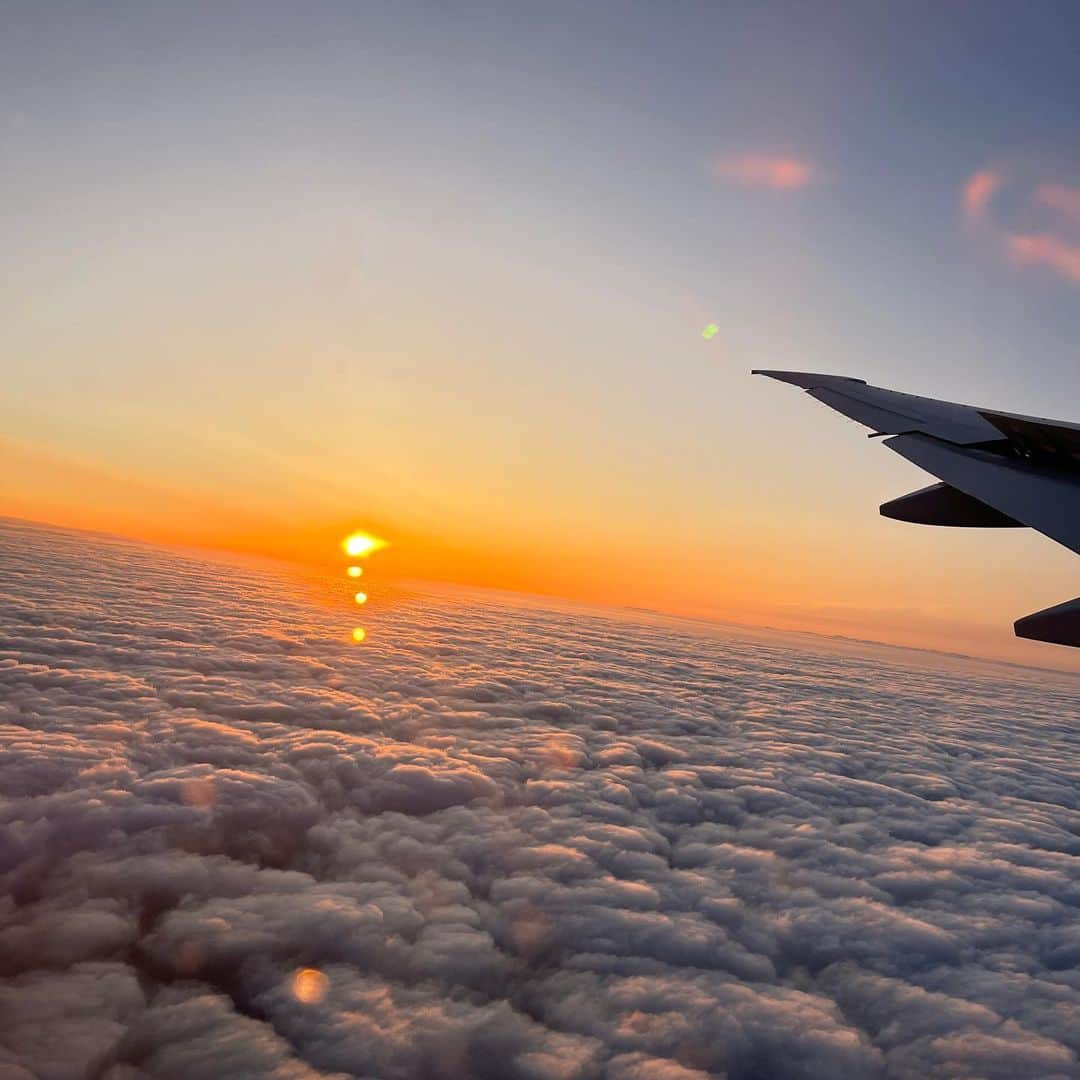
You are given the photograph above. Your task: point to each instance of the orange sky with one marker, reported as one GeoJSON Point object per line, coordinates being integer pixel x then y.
{"type": "Point", "coordinates": [743, 578]}
{"type": "Point", "coordinates": [448, 282]}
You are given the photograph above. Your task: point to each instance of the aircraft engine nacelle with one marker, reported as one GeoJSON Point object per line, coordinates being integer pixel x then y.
{"type": "Point", "coordinates": [1058, 625]}
{"type": "Point", "coordinates": [942, 504]}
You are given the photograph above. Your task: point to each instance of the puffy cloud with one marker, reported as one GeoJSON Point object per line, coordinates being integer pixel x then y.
{"type": "Point", "coordinates": [978, 190]}
{"type": "Point", "coordinates": [773, 173]}
{"type": "Point", "coordinates": [511, 842]}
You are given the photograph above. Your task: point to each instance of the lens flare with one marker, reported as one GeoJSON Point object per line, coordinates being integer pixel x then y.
{"type": "Point", "coordinates": [309, 985]}
{"type": "Point", "coordinates": [361, 544]}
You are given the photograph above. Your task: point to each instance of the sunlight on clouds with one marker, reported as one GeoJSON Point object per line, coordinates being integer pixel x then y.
{"type": "Point", "coordinates": [1047, 251]}
{"type": "Point", "coordinates": [1051, 250]}
{"type": "Point", "coordinates": [740, 845]}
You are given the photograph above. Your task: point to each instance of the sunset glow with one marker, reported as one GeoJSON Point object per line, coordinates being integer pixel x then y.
{"type": "Point", "coordinates": [539, 541]}
{"type": "Point", "coordinates": [526, 364]}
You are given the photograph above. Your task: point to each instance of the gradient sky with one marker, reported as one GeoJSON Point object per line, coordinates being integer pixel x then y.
{"type": "Point", "coordinates": [272, 270]}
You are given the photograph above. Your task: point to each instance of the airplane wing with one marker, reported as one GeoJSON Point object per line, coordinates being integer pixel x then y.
{"type": "Point", "coordinates": [996, 470]}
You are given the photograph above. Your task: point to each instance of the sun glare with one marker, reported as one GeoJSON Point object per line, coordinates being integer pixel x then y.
{"type": "Point", "coordinates": [309, 985]}
{"type": "Point", "coordinates": [360, 544]}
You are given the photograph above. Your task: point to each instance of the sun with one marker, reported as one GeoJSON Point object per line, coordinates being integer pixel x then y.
{"type": "Point", "coordinates": [360, 544]}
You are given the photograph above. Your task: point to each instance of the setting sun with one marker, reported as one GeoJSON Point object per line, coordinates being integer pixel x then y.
{"type": "Point", "coordinates": [451, 621]}
{"type": "Point", "coordinates": [360, 544]}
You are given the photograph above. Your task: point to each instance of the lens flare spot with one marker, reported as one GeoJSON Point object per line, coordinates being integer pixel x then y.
{"type": "Point", "coordinates": [710, 331]}
{"type": "Point", "coordinates": [361, 544]}
{"type": "Point", "coordinates": [361, 597]}
{"type": "Point", "coordinates": [309, 985]}
{"type": "Point", "coordinates": [359, 634]}
{"type": "Point", "coordinates": [198, 793]}
{"type": "Point", "coordinates": [355, 571]}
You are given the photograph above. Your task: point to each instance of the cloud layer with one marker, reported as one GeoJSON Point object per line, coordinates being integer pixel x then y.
{"type": "Point", "coordinates": [517, 843]}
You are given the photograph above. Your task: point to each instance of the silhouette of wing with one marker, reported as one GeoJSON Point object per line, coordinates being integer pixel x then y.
{"type": "Point", "coordinates": [996, 469]}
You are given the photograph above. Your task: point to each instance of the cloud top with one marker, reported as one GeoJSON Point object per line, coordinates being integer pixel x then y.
{"type": "Point", "coordinates": [510, 842]}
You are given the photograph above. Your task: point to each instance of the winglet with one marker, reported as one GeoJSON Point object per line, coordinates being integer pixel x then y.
{"type": "Point", "coordinates": [806, 379]}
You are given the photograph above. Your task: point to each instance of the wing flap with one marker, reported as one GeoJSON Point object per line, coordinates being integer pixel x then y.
{"type": "Point", "coordinates": [1052, 441]}
{"type": "Point", "coordinates": [1047, 501]}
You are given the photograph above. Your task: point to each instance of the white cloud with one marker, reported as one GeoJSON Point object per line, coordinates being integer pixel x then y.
{"type": "Point", "coordinates": [517, 844]}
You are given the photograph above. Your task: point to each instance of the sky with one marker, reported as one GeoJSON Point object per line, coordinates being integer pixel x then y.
{"type": "Point", "coordinates": [273, 271]}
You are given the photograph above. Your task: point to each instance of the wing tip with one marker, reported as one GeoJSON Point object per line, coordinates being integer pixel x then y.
{"type": "Point", "coordinates": [808, 380]}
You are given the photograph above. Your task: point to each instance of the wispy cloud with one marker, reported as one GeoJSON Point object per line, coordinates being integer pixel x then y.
{"type": "Point", "coordinates": [1047, 250]}
{"type": "Point", "coordinates": [1055, 250]}
{"type": "Point", "coordinates": [774, 173]}
{"type": "Point", "coordinates": [1060, 197]}
{"type": "Point", "coordinates": [978, 191]}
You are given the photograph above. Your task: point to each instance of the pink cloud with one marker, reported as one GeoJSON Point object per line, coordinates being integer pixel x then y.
{"type": "Point", "coordinates": [1045, 250]}
{"type": "Point", "coordinates": [775, 173]}
{"type": "Point", "coordinates": [1065, 200]}
{"type": "Point", "coordinates": [979, 190]}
